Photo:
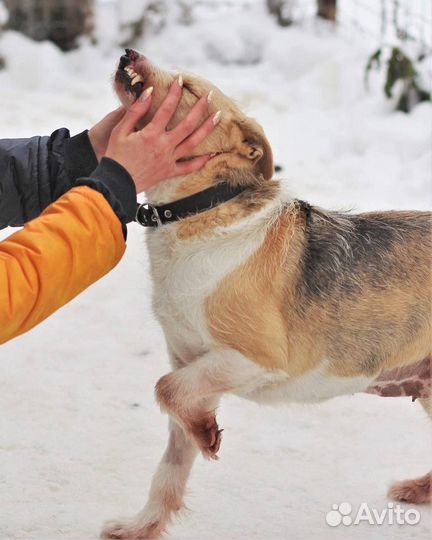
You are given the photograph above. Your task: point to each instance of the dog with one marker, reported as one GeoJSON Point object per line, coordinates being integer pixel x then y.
{"type": "Point", "coordinates": [270, 298]}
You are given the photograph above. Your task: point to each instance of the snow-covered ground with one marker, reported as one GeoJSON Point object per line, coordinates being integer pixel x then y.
{"type": "Point", "coordinates": [80, 433]}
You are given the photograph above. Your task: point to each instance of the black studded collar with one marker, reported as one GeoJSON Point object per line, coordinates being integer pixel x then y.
{"type": "Point", "coordinates": [149, 215]}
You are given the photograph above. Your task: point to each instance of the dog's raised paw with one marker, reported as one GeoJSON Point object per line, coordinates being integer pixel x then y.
{"type": "Point", "coordinates": [418, 491]}
{"type": "Point", "coordinates": [130, 530]}
{"type": "Point", "coordinates": [208, 436]}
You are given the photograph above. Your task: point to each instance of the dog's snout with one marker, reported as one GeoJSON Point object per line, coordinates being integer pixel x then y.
{"type": "Point", "coordinates": [124, 61]}
{"type": "Point", "coordinates": [131, 55]}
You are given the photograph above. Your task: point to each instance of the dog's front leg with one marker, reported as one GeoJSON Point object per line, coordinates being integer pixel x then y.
{"type": "Point", "coordinates": [191, 393]}
{"type": "Point", "coordinates": [166, 491]}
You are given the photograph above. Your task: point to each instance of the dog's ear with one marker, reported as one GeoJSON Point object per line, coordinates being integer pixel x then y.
{"type": "Point", "coordinates": [255, 147]}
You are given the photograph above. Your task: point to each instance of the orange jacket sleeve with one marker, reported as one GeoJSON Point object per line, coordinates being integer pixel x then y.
{"type": "Point", "coordinates": [73, 243]}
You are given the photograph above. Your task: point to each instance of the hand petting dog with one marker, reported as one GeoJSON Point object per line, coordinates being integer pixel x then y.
{"type": "Point", "coordinates": [116, 136]}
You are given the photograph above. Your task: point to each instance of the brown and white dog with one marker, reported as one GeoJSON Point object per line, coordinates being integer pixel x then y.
{"type": "Point", "coordinates": [272, 299]}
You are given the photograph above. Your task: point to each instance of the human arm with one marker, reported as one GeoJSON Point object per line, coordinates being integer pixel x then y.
{"type": "Point", "coordinates": [80, 237]}
{"type": "Point", "coordinates": [35, 172]}
{"type": "Point", "coordinates": [75, 242]}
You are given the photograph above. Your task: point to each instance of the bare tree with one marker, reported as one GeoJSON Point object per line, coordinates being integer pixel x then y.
{"type": "Point", "coordinates": [60, 21]}
{"type": "Point", "coordinates": [152, 21]}
{"type": "Point", "coordinates": [3, 18]}
{"type": "Point", "coordinates": [282, 10]}
{"type": "Point", "coordinates": [186, 8]}
{"type": "Point", "coordinates": [327, 9]}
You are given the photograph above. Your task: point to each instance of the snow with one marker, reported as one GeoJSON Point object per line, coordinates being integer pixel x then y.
{"type": "Point", "coordinates": [80, 433]}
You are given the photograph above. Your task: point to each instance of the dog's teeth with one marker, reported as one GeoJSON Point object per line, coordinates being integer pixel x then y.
{"type": "Point", "coordinates": [136, 79]}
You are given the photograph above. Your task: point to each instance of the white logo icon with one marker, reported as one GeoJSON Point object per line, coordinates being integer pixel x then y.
{"type": "Point", "coordinates": [340, 513]}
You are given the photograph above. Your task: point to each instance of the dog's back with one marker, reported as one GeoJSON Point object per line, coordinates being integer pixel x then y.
{"type": "Point", "coordinates": [369, 276]}
{"type": "Point", "coordinates": [351, 290]}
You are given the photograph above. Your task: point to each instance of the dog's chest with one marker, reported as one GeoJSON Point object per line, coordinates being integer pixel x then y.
{"type": "Point", "coordinates": [185, 273]}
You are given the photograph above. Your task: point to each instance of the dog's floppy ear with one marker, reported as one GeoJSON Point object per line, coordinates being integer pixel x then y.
{"type": "Point", "coordinates": [255, 146]}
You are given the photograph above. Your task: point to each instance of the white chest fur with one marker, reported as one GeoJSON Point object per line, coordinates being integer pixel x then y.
{"type": "Point", "coordinates": [185, 272]}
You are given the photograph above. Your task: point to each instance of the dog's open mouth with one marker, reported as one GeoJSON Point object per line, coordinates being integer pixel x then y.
{"type": "Point", "coordinates": [126, 75]}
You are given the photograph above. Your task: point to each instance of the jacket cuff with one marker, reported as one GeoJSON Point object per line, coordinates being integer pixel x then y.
{"type": "Point", "coordinates": [116, 185]}
{"type": "Point", "coordinates": [80, 158]}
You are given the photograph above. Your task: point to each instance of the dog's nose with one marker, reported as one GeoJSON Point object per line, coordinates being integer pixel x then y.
{"type": "Point", "coordinates": [131, 54]}
{"type": "Point", "coordinates": [124, 61]}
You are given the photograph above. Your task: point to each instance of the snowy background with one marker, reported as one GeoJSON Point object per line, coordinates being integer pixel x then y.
{"type": "Point", "coordinates": [80, 433]}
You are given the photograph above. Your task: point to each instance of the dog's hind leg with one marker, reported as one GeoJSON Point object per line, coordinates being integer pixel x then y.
{"type": "Point", "coordinates": [419, 490]}
{"type": "Point", "coordinates": [166, 491]}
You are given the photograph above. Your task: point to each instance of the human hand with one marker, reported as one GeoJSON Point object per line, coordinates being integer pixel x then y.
{"type": "Point", "coordinates": [152, 153]}
{"type": "Point", "coordinates": [100, 133]}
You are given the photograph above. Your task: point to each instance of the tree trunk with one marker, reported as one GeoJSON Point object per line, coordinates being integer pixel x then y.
{"type": "Point", "coordinates": [282, 10]}
{"type": "Point", "coordinates": [62, 22]}
{"type": "Point", "coordinates": [327, 9]}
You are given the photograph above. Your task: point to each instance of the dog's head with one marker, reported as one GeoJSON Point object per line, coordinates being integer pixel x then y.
{"type": "Point", "coordinates": [243, 153]}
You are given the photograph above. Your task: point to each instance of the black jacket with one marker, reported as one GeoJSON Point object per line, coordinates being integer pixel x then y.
{"type": "Point", "coordinates": [37, 171]}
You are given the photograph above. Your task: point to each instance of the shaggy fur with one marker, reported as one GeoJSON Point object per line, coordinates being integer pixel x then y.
{"type": "Point", "coordinates": [270, 298]}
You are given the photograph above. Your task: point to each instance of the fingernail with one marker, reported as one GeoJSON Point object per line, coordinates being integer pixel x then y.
{"type": "Point", "coordinates": [209, 96]}
{"type": "Point", "coordinates": [216, 118]}
{"type": "Point", "coordinates": [147, 93]}
{"type": "Point", "coordinates": [180, 81]}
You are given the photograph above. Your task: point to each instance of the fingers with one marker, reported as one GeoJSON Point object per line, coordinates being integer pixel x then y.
{"type": "Point", "coordinates": [186, 147]}
{"type": "Point", "coordinates": [169, 105]}
{"type": "Point", "coordinates": [139, 109]}
{"type": "Point", "coordinates": [187, 167]}
{"type": "Point", "coordinates": [114, 117]}
{"type": "Point", "coordinates": [191, 122]}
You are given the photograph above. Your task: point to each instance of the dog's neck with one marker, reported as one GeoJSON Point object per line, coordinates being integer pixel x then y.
{"type": "Point", "coordinates": [259, 193]}
{"type": "Point", "coordinates": [249, 204]}
{"type": "Point", "coordinates": [217, 170]}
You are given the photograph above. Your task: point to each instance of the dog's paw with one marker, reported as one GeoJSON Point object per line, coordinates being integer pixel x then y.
{"type": "Point", "coordinates": [131, 530]}
{"type": "Point", "coordinates": [207, 435]}
{"type": "Point", "coordinates": [416, 491]}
